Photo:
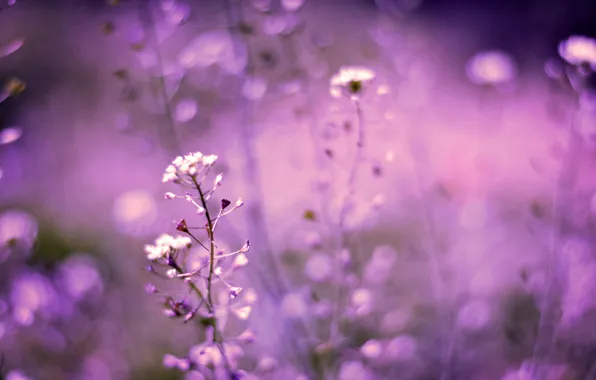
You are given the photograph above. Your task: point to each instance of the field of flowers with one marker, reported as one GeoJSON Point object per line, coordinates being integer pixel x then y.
{"type": "Point", "coordinates": [294, 189]}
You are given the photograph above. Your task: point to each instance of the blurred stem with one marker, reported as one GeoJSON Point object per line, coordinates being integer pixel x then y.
{"type": "Point", "coordinates": [270, 279]}
{"type": "Point", "coordinates": [256, 224]}
{"type": "Point", "coordinates": [447, 337]}
{"type": "Point", "coordinates": [545, 339]}
{"type": "Point", "coordinates": [166, 131]}
{"type": "Point", "coordinates": [341, 244]}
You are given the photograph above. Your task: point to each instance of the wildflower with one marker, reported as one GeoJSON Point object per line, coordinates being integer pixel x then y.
{"type": "Point", "coordinates": [189, 165]}
{"type": "Point", "coordinates": [218, 180]}
{"type": "Point", "coordinates": [350, 81]}
{"type": "Point", "coordinates": [577, 50]}
{"type": "Point", "coordinates": [165, 244]}
{"type": "Point", "coordinates": [239, 203]}
{"type": "Point", "coordinates": [240, 261]}
{"type": "Point", "coordinates": [171, 273]}
{"type": "Point", "coordinates": [169, 195]}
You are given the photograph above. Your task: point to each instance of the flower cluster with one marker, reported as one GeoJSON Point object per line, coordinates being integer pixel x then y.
{"type": "Point", "coordinates": [166, 244]}
{"type": "Point", "coordinates": [190, 165]}
{"type": "Point", "coordinates": [206, 275]}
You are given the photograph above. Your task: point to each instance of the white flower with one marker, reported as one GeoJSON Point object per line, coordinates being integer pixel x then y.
{"type": "Point", "coordinates": [169, 195]}
{"type": "Point", "coordinates": [491, 67]}
{"type": "Point", "coordinates": [240, 261]}
{"type": "Point", "coordinates": [579, 49]}
{"type": "Point", "coordinates": [350, 81]}
{"type": "Point", "coordinates": [190, 165]}
{"type": "Point", "coordinates": [218, 180]}
{"type": "Point", "coordinates": [171, 273]}
{"type": "Point", "coordinates": [164, 244]}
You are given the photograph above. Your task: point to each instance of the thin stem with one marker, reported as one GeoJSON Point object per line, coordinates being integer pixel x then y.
{"type": "Point", "coordinates": [197, 240]}
{"type": "Point", "coordinates": [192, 285]}
{"type": "Point", "coordinates": [565, 180]}
{"type": "Point", "coordinates": [217, 337]}
{"type": "Point", "coordinates": [167, 131]}
{"type": "Point", "coordinates": [211, 239]}
{"type": "Point", "coordinates": [351, 184]}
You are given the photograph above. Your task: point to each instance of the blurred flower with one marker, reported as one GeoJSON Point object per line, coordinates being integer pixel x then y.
{"type": "Point", "coordinates": [318, 267]}
{"type": "Point", "coordinates": [402, 348]}
{"type": "Point", "coordinates": [17, 229]}
{"type": "Point", "coordinates": [579, 49]}
{"type": "Point", "coordinates": [362, 301]}
{"type": "Point", "coordinates": [353, 371]}
{"type": "Point", "coordinates": [214, 48]}
{"type": "Point", "coordinates": [350, 81]}
{"type": "Point", "coordinates": [254, 88]}
{"type": "Point", "coordinates": [491, 67]}
{"type": "Point", "coordinates": [293, 305]}
{"type": "Point", "coordinates": [261, 5]}
{"type": "Point", "coordinates": [175, 12]}
{"type": "Point", "coordinates": [474, 316]}
{"type": "Point", "coordinates": [371, 349]}
{"type": "Point", "coordinates": [31, 292]}
{"type": "Point", "coordinates": [292, 5]}
{"type": "Point", "coordinates": [394, 321]}
{"type": "Point", "coordinates": [185, 110]}
{"type": "Point", "coordinates": [379, 267]}
{"type": "Point", "coordinates": [9, 135]}
{"type": "Point", "coordinates": [134, 211]}
{"type": "Point", "coordinates": [16, 374]}
{"type": "Point", "coordinates": [266, 364]}
{"type": "Point", "coordinates": [11, 47]}
{"type": "Point", "coordinates": [79, 276]}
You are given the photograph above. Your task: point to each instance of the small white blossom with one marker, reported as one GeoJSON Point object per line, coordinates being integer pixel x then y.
{"type": "Point", "coordinates": [242, 312]}
{"type": "Point", "coordinates": [240, 261]}
{"type": "Point", "coordinates": [189, 165]}
{"type": "Point", "coordinates": [239, 202]}
{"type": "Point", "coordinates": [218, 180]}
{"type": "Point", "coordinates": [171, 273]}
{"type": "Point", "coordinates": [350, 81]}
{"type": "Point", "coordinates": [579, 49]}
{"type": "Point", "coordinates": [169, 195]}
{"type": "Point", "coordinates": [164, 244]}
